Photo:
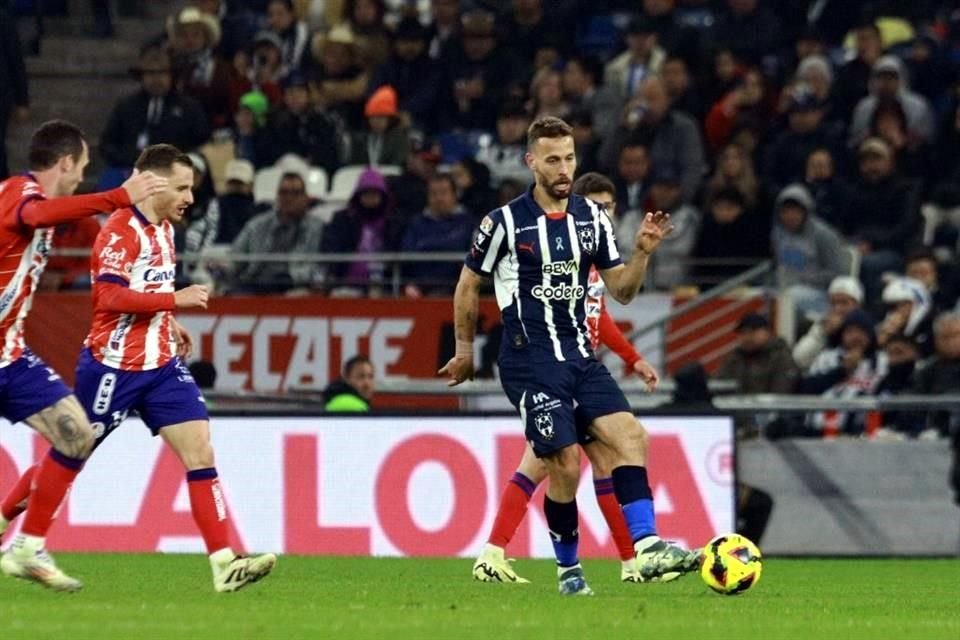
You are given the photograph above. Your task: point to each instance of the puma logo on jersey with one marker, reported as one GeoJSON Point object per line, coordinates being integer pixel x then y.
{"type": "Point", "coordinates": [526, 246]}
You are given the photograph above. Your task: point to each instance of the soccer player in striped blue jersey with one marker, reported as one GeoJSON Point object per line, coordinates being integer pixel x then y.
{"type": "Point", "coordinates": [539, 250]}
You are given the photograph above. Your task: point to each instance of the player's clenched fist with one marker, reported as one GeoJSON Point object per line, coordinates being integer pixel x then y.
{"type": "Point", "coordinates": [193, 297]}
{"type": "Point", "coordinates": [142, 185]}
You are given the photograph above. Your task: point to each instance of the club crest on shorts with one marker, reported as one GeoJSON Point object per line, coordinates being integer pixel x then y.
{"type": "Point", "coordinates": [544, 424]}
{"type": "Point", "coordinates": [587, 241]}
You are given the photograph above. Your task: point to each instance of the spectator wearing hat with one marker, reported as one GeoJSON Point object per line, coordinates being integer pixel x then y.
{"type": "Point", "coordinates": [386, 140]}
{"type": "Point", "coordinates": [884, 215]}
{"type": "Point", "coordinates": [227, 214]}
{"type": "Point", "coordinates": [155, 113]}
{"type": "Point", "coordinates": [248, 121]}
{"type": "Point", "coordinates": [480, 72]}
{"type": "Point", "coordinates": [910, 312]}
{"type": "Point", "coordinates": [844, 295]}
{"type": "Point", "coordinates": [816, 73]}
{"type": "Point", "coordinates": [299, 128]}
{"type": "Point", "coordinates": [200, 72]}
{"type": "Point", "coordinates": [259, 69]}
{"type": "Point", "coordinates": [807, 129]}
{"type": "Point", "coordinates": [583, 86]}
{"type": "Point", "coordinates": [413, 74]}
{"type": "Point", "coordinates": [505, 155]}
{"type": "Point", "coordinates": [761, 361]}
{"type": "Point", "coordinates": [367, 225]}
{"type": "Point", "coordinates": [732, 238]}
{"type": "Point", "coordinates": [853, 78]}
{"type": "Point", "coordinates": [292, 33]}
{"type": "Point", "coordinates": [854, 368]}
{"type": "Point", "coordinates": [642, 59]}
{"type": "Point", "coordinates": [338, 79]}
{"type": "Point", "coordinates": [671, 262]}
{"type": "Point", "coordinates": [922, 265]}
{"type": "Point", "coordinates": [889, 82]}
{"type": "Point", "coordinates": [808, 252]}
{"type": "Point", "coordinates": [445, 225]}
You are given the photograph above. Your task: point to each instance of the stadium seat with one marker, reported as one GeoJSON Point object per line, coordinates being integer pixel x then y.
{"type": "Point", "coordinates": [265, 184]}
{"type": "Point", "coordinates": [317, 183]}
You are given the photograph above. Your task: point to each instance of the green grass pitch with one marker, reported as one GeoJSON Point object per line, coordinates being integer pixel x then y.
{"type": "Point", "coordinates": [143, 597]}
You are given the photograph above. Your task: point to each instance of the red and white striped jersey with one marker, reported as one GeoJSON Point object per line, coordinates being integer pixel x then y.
{"type": "Point", "coordinates": [130, 251]}
{"type": "Point", "coordinates": [594, 305]}
{"type": "Point", "coordinates": [23, 255]}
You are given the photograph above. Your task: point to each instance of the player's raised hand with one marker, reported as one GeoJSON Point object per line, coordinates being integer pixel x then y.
{"type": "Point", "coordinates": [193, 297]}
{"type": "Point", "coordinates": [654, 228]}
{"type": "Point", "coordinates": [141, 186]}
{"type": "Point", "coordinates": [458, 369]}
{"type": "Point", "coordinates": [647, 373]}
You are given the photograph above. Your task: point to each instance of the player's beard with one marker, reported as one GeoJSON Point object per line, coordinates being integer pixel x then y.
{"type": "Point", "coordinates": [555, 193]}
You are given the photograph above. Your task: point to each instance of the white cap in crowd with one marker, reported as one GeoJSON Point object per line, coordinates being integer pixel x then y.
{"type": "Point", "coordinates": [848, 286]}
{"type": "Point", "coordinates": [239, 170]}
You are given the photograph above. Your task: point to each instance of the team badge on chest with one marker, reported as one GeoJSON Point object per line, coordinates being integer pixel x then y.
{"type": "Point", "coordinates": [587, 240]}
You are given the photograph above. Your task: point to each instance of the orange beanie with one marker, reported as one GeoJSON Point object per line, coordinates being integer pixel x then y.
{"type": "Point", "coordinates": [383, 102]}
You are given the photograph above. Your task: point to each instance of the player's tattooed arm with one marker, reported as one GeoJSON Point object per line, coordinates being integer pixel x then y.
{"type": "Point", "coordinates": [466, 304]}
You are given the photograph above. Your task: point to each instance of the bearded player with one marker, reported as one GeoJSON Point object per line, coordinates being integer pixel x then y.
{"type": "Point", "coordinates": [132, 356]}
{"type": "Point", "coordinates": [492, 566]}
{"type": "Point", "coordinates": [31, 205]}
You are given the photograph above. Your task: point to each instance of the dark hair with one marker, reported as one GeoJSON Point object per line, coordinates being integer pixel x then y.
{"type": "Point", "coordinates": [53, 140]}
{"type": "Point", "coordinates": [590, 65]}
{"type": "Point", "coordinates": [547, 127]}
{"type": "Point", "coordinates": [920, 253]}
{"type": "Point", "coordinates": [444, 176]}
{"type": "Point", "coordinates": [286, 3]}
{"type": "Point", "coordinates": [634, 142]}
{"type": "Point", "coordinates": [593, 182]}
{"type": "Point", "coordinates": [728, 194]}
{"type": "Point", "coordinates": [162, 157]}
{"type": "Point", "coordinates": [293, 175]}
{"type": "Point", "coordinates": [867, 23]}
{"type": "Point", "coordinates": [353, 362]}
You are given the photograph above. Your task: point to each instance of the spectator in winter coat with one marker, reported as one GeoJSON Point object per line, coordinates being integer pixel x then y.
{"type": "Point", "coordinates": [909, 312]}
{"type": "Point", "coordinates": [505, 156]}
{"type": "Point", "coordinates": [941, 375]}
{"type": "Point", "coordinates": [761, 363]}
{"type": "Point", "coordinates": [854, 368]}
{"type": "Point", "coordinates": [732, 238]}
{"type": "Point", "coordinates": [386, 140]}
{"type": "Point", "coordinates": [672, 257]}
{"type": "Point", "coordinates": [445, 226]}
{"type": "Point", "coordinates": [366, 225]}
{"type": "Point", "coordinates": [889, 81]}
{"type": "Point", "coordinates": [844, 295]}
{"type": "Point", "coordinates": [809, 253]}
{"type": "Point", "coordinates": [353, 392]}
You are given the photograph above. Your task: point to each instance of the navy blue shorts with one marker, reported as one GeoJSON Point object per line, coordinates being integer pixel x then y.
{"type": "Point", "coordinates": [557, 401]}
{"type": "Point", "coordinates": [162, 397]}
{"type": "Point", "coordinates": [28, 386]}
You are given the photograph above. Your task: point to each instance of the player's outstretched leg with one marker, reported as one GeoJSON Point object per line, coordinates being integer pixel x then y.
{"type": "Point", "coordinates": [657, 559]}
{"type": "Point", "coordinates": [65, 425]}
{"type": "Point", "coordinates": [231, 572]}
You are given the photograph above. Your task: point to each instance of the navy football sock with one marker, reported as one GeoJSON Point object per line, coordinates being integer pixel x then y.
{"type": "Point", "coordinates": [633, 493]}
{"type": "Point", "coordinates": [562, 518]}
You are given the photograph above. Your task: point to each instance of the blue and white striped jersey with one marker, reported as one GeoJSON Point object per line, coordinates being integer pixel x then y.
{"type": "Point", "coordinates": [540, 263]}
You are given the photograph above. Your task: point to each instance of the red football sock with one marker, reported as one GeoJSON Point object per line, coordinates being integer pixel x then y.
{"type": "Point", "coordinates": [613, 514]}
{"type": "Point", "coordinates": [51, 482]}
{"type": "Point", "coordinates": [208, 508]}
{"type": "Point", "coordinates": [512, 509]}
{"type": "Point", "coordinates": [16, 501]}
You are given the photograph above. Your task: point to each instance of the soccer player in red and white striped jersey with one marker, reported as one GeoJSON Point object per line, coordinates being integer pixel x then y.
{"type": "Point", "coordinates": [30, 206]}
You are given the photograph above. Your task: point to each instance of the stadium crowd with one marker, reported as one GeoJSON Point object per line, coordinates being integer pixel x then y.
{"type": "Point", "coordinates": [823, 135]}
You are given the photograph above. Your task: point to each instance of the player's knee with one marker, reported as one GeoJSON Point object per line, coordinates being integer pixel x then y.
{"type": "Point", "coordinates": [72, 436]}
{"type": "Point", "coordinates": [199, 456]}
